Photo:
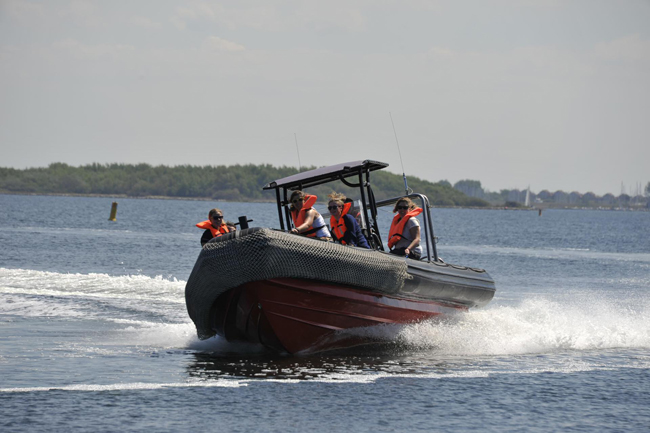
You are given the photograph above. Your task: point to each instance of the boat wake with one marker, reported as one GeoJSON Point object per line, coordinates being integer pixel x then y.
{"type": "Point", "coordinates": [137, 386]}
{"type": "Point", "coordinates": [534, 326]}
{"type": "Point", "coordinates": [32, 293]}
{"type": "Point", "coordinates": [149, 312]}
{"type": "Point", "coordinates": [575, 332]}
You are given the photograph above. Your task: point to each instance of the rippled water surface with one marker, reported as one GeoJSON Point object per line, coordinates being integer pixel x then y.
{"type": "Point", "coordinates": [94, 334]}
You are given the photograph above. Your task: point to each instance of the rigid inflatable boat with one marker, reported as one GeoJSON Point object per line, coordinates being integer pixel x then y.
{"type": "Point", "coordinates": [295, 294]}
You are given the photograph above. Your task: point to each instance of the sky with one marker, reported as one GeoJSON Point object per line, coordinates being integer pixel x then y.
{"type": "Point", "coordinates": [548, 94]}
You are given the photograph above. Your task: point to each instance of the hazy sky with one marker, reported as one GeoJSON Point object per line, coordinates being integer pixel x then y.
{"type": "Point", "coordinates": [551, 94]}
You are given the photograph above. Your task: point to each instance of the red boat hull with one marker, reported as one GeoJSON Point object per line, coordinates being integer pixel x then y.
{"type": "Point", "coordinates": [305, 316]}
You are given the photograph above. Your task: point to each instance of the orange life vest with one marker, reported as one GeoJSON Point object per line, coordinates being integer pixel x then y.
{"type": "Point", "coordinates": [397, 226]}
{"type": "Point", "coordinates": [223, 229]}
{"type": "Point", "coordinates": [338, 227]}
{"type": "Point", "coordinates": [298, 217]}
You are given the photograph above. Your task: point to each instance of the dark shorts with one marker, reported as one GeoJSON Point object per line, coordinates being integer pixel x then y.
{"type": "Point", "coordinates": [400, 252]}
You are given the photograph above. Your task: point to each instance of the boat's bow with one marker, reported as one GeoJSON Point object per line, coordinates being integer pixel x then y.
{"type": "Point", "coordinates": [259, 254]}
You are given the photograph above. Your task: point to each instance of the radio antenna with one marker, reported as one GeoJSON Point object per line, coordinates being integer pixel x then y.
{"type": "Point", "coordinates": [297, 150]}
{"type": "Point", "coordinates": [406, 187]}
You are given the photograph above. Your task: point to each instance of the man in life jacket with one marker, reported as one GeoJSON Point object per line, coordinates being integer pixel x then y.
{"type": "Point", "coordinates": [214, 226]}
{"type": "Point", "coordinates": [345, 227]}
{"type": "Point", "coordinates": [306, 220]}
{"type": "Point", "coordinates": [404, 234]}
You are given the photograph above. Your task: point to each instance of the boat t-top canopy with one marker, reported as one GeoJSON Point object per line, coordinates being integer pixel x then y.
{"type": "Point", "coordinates": [319, 176]}
{"type": "Point", "coordinates": [322, 175]}
{"type": "Point", "coordinates": [342, 172]}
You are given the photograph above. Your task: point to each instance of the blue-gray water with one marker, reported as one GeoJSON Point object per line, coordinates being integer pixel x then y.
{"type": "Point", "coordinates": [94, 335]}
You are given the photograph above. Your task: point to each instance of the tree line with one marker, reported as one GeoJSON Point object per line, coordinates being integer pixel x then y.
{"type": "Point", "coordinates": [516, 197]}
{"type": "Point", "coordinates": [230, 183]}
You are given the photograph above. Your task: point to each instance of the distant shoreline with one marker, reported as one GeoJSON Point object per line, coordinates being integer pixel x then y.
{"type": "Point", "coordinates": [148, 197]}
{"type": "Point", "coordinates": [543, 207]}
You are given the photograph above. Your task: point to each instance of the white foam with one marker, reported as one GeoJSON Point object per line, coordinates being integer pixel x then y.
{"type": "Point", "coordinates": [535, 326]}
{"type": "Point", "coordinates": [38, 293]}
{"type": "Point", "coordinates": [568, 321]}
{"type": "Point", "coordinates": [20, 306]}
{"type": "Point", "coordinates": [27, 281]}
{"type": "Point", "coordinates": [137, 386]}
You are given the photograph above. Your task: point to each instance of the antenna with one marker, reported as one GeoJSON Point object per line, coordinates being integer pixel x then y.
{"type": "Point", "coordinates": [297, 150]}
{"type": "Point", "coordinates": [406, 187]}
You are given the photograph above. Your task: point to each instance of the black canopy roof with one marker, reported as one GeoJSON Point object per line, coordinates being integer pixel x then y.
{"type": "Point", "coordinates": [325, 174]}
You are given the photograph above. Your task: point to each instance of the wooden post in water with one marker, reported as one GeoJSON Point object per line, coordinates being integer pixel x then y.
{"type": "Point", "coordinates": [113, 212]}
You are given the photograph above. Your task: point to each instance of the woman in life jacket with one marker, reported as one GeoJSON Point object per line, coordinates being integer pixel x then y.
{"type": "Point", "coordinates": [404, 234]}
{"type": "Point", "coordinates": [345, 228]}
{"type": "Point", "coordinates": [306, 220]}
{"type": "Point", "coordinates": [214, 226]}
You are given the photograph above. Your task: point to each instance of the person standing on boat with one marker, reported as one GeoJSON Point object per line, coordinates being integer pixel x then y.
{"type": "Point", "coordinates": [345, 228]}
{"type": "Point", "coordinates": [404, 234]}
{"type": "Point", "coordinates": [306, 220]}
{"type": "Point", "coordinates": [214, 226]}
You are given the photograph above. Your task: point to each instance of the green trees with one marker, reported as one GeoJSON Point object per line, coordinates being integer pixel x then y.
{"type": "Point", "coordinates": [469, 187]}
{"type": "Point", "coordinates": [232, 183]}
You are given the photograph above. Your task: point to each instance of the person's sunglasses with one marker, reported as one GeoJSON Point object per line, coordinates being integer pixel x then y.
{"type": "Point", "coordinates": [333, 207]}
{"type": "Point", "coordinates": [402, 207]}
{"type": "Point", "coordinates": [297, 200]}
{"type": "Point", "coordinates": [217, 217]}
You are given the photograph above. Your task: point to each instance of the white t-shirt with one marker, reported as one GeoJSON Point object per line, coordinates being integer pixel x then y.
{"type": "Point", "coordinates": [407, 237]}
{"type": "Point", "coordinates": [323, 232]}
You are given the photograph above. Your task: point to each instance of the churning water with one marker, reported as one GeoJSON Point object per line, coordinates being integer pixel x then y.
{"type": "Point", "coordinates": [94, 334]}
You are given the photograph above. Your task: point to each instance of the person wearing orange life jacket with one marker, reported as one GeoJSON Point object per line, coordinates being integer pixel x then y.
{"type": "Point", "coordinates": [306, 220]}
{"type": "Point", "coordinates": [404, 234]}
{"type": "Point", "coordinates": [214, 226]}
{"type": "Point", "coordinates": [345, 228]}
